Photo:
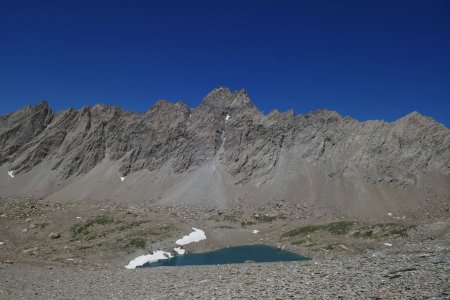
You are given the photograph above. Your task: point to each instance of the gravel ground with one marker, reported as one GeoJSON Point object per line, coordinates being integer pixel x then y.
{"type": "Point", "coordinates": [409, 271]}
{"type": "Point", "coordinates": [35, 265]}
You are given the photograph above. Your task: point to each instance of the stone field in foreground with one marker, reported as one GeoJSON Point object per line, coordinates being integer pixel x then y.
{"type": "Point", "coordinates": [411, 271]}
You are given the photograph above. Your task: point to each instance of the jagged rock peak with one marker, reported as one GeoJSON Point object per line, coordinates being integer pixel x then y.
{"type": "Point", "coordinates": [164, 107]}
{"type": "Point", "coordinates": [182, 104]}
{"type": "Point", "coordinates": [161, 103]}
{"type": "Point", "coordinates": [323, 115]}
{"type": "Point", "coordinates": [276, 112]}
{"type": "Point", "coordinates": [241, 98]}
{"type": "Point", "coordinates": [224, 104]}
{"type": "Point", "coordinates": [42, 104]}
{"type": "Point", "coordinates": [219, 91]}
{"type": "Point", "coordinates": [415, 118]}
{"type": "Point", "coordinates": [218, 98]}
{"type": "Point", "coordinates": [106, 107]}
{"type": "Point", "coordinates": [223, 97]}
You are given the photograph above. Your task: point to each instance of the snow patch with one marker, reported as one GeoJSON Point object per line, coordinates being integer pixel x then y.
{"type": "Point", "coordinates": [193, 237]}
{"type": "Point", "coordinates": [122, 178]}
{"type": "Point", "coordinates": [387, 244]}
{"type": "Point", "coordinates": [227, 117]}
{"type": "Point", "coordinates": [179, 250]}
{"type": "Point", "coordinates": [390, 214]}
{"type": "Point", "coordinates": [255, 231]}
{"type": "Point", "coordinates": [149, 258]}
{"type": "Point", "coordinates": [11, 173]}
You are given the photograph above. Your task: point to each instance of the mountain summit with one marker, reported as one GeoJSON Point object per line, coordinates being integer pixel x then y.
{"type": "Point", "coordinates": [224, 153]}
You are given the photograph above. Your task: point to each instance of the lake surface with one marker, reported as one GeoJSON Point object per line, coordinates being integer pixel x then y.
{"type": "Point", "coordinates": [231, 255]}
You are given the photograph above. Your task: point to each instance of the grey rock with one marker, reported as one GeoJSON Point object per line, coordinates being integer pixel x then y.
{"type": "Point", "coordinates": [54, 235]}
{"type": "Point", "coordinates": [343, 247]}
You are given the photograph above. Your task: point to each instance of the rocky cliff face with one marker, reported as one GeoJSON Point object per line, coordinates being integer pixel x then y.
{"type": "Point", "coordinates": [225, 134]}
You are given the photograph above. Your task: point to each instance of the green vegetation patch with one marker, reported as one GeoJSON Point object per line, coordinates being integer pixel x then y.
{"type": "Point", "coordinates": [83, 228]}
{"type": "Point", "coordinates": [305, 230]}
{"type": "Point", "coordinates": [402, 271]}
{"type": "Point", "coordinates": [131, 225]}
{"type": "Point", "coordinates": [136, 243]}
{"type": "Point", "coordinates": [247, 223]}
{"type": "Point", "coordinates": [268, 218]}
{"type": "Point", "coordinates": [18, 209]}
{"type": "Point", "coordinates": [161, 230]}
{"type": "Point", "coordinates": [85, 247]}
{"type": "Point", "coordinates": [224, 227]}
{"type": "Point", "coordinates": [337, 228]}
{"type": "Point", "coordinates": [399, 232]}
{"type": "Point", "coordinates": [398, 273]}
{"type": "Point", "coordinates": [299, 242]}
{"type": "Point", "coordinates": [230, 218]}
{"type": "Point", "coordinates": [367, 234]}
{"type": "Point", "coordinates": [384, 230]}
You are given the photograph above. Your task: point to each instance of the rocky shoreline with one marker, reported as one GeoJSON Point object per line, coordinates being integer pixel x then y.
{"type": "Point", "coordinates": [412, 271]}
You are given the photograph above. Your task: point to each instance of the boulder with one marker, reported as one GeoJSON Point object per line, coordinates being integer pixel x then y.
{"type": "Point", "coordinates": [54, 235]}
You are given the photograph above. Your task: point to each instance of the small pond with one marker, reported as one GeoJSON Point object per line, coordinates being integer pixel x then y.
{"type": "Point", "coordinates": [231, 255]}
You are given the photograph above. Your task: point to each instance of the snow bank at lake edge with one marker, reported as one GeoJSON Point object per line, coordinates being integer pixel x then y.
{"type": "Point", "coordinates": [149, 258]}
{"type": "Point", "coordinates": [179, 250]}
{"type": "Point", "coordinates": [193, 237]}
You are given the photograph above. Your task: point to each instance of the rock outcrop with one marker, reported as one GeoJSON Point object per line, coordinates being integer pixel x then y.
{"type": "Point", "coordinates": [227, 135]}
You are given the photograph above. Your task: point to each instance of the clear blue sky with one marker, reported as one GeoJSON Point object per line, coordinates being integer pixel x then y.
{"type": "Point", "coordinates": [367, 59]}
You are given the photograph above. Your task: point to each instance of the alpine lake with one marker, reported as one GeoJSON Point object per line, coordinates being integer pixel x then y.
{"type": "Point", "coordinates": [230, 255]}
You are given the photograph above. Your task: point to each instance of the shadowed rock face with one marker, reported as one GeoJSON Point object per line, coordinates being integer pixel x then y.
{"type": "Point", "coordinates": [225, 130]}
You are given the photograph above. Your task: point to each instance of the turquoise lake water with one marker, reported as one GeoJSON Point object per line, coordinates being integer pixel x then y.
{"type": "Point", "coordinates": [231, 255]}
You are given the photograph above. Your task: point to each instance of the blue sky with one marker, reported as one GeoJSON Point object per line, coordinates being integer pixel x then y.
{"type": "Point", "coordinates": [367, 59]}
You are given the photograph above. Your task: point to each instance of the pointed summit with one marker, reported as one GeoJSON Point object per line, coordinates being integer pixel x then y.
{"type": "Point", "coordinates": [219, 97]}
{"type": "Point", "coordinates": [221, 90]}
{"type": "Point", "coordinates": [224, 99]}
{"type": "Point", "coordinates": [224, 102]}
{"type": "Point", "coordinates": [241, 98]}
{"type": "Point", "coordinates": [165, 108]}
{"type": "Point", "coordinates": [161, 103]}
{"type": "Point", "coordinates": [43, 104]}
{"type": "Point", "coordinates": [415, 115]}
{"type": "Point", "coordinates": [417, 119]}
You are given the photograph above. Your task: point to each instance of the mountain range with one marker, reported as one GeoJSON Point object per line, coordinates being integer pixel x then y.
{"type": "Point", "coordinates": [226, 153]}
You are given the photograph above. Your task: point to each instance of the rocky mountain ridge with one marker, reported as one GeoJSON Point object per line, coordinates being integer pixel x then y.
{"type": "Point", "coordinates": [228, 140]}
